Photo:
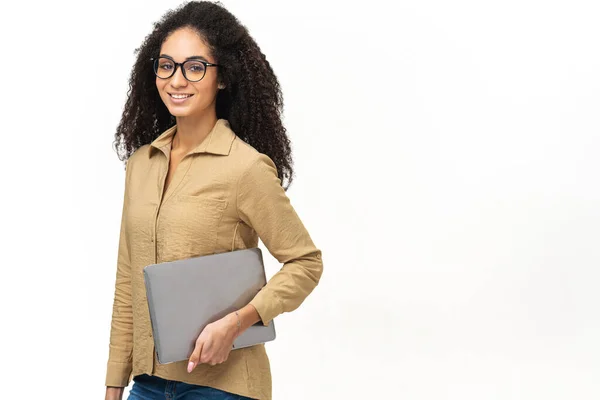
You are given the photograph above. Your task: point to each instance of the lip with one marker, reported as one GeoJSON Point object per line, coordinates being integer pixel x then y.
{"type": "Point", "coordinates": [180, 101]}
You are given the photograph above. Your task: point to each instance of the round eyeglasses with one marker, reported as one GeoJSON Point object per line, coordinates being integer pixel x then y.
{"type": "Point", "coordinates": [193, 70]}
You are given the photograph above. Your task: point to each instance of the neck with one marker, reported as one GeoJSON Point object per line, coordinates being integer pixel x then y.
{"type": "Point", "coordinates": [192, 130]}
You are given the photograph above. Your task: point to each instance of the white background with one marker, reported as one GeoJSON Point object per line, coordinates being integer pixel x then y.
{"type": "Point", "coordinates": [447, 163]}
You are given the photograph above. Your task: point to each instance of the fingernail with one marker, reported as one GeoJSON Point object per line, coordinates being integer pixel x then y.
{"type": "Point", "coordinates": [190, 366]}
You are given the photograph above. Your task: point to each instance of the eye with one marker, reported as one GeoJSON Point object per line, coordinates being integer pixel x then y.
{"type": "Point", "coordinates": [194, 66]}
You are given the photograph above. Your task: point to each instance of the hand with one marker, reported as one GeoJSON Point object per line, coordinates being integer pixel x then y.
{"type": "Point", "coordinates": [114, 393]}
{"type": "Point", "coordinates": [215, 342]}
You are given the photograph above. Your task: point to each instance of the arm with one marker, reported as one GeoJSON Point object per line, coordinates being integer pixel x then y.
{"type": "Point", "coordinates": [119, 365]}
{"type": "Point", "coordinates": [263, 205]}
{"type": "Point", "coordinates": [114, 393]}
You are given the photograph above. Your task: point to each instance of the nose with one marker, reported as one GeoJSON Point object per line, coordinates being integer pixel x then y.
{"type": "Point", "coordinates": [178, 79]}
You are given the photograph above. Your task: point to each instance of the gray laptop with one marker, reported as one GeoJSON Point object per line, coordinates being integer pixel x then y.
{"type": "Point", "coordinates": [186, 295]}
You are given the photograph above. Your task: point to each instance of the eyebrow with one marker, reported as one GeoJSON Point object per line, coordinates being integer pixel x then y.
{"type": "Point", "coordinates": [189, 58]}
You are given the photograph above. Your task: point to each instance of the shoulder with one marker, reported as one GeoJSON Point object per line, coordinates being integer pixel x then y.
{"type": "Point", "coordinates": [138, 156]}
{"type": "Point", "coordinates": [141, 152]}
{"type": "Point", "coordinates": [253, 170]}
{"type": "Point", "coordinates": [249, 160]}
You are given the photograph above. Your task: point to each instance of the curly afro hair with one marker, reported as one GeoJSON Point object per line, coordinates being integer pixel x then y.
{"type": "Point", "coordinates": [252, 101]}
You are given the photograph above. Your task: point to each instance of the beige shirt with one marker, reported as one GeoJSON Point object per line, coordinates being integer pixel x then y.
{"type": "Point", "coordinates": [223, 196]}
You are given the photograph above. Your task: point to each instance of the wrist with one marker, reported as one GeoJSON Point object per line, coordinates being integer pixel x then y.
{"type": "Point", "coordinates": [235, 324]}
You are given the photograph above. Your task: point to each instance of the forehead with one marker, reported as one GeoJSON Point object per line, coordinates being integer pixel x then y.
{"type": "Point", "coordinates": [183, 43]}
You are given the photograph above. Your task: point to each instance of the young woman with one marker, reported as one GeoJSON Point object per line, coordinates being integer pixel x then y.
{"type": "Point", "coordinates": [207, 155]}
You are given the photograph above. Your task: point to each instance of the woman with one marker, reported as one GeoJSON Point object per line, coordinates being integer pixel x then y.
{"type": "Point", "coordinates": [206, 157]}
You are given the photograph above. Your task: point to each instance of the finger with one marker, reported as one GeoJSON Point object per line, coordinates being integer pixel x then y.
{"type": "Point", "coordinates": [206, 354]}
{"type": "Point", "coordinates": [220, 357]}
{"type": "Point", "coordinates": [195, 357]}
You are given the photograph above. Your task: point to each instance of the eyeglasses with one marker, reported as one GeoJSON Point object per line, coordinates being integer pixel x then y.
{"type": "Point", "coordinates": [193, 70]}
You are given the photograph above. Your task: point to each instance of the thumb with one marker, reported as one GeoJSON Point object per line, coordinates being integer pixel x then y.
{"type": "Point", "coordinates": [195, 357]}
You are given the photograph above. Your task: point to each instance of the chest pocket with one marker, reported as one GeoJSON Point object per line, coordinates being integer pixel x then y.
{"type": "Point", "coordinates": [188, 226]}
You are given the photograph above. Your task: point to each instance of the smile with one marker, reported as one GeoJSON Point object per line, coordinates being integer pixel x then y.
{"type": "Point", "coordinates": [180, 96]}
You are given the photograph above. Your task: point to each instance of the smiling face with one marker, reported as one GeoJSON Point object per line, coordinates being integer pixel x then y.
{"type": "Point", "coordinates": [180, 46]}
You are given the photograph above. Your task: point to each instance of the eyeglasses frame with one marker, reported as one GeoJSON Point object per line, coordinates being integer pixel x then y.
{"type": "Point", "coordinates": [206, 65]}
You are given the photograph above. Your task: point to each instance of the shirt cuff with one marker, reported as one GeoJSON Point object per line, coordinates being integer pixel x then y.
{"type": "Point", "coordinates": [267, 305]}
{"type": "Point", "coordinates": [118, 374]}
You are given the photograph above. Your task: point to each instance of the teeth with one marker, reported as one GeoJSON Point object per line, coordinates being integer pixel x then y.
{"type": "Point", "coordinates": [180, 96]}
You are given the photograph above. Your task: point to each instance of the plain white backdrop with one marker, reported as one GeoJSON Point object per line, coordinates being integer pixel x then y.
{"type": "Point", "coordinates": [447, 165]}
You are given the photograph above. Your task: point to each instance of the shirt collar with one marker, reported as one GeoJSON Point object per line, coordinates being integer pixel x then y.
{"type": "Point", "coordinates": [218, 140]}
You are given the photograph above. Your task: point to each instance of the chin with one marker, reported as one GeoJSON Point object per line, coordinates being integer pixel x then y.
{"type": "Point", "coordinates": [179, 113]}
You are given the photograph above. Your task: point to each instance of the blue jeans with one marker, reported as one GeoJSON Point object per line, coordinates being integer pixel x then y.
{"type": "Point", "coordinates": [150, 387]}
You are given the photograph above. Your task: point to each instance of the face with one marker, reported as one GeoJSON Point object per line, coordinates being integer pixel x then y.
{"type": "Point", "coordinates": [180, 45]}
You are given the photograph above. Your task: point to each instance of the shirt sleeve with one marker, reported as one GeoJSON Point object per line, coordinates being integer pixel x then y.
{"type": "Point", "coordinates": [120, 361]}
{"type": "Point", "coordinates": [263, 205]}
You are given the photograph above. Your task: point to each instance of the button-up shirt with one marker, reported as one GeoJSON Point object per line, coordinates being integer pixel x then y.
{"type": "Point", "coordinates": [223, 196]}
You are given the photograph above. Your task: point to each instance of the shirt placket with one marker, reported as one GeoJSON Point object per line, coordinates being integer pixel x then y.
{"type": "Point", "coordinates": [161, 194]}
{"type": "Point", "coordinates": [154, 239]}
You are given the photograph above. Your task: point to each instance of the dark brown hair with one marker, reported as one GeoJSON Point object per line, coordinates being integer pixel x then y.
{"type": "Point", "coordinates": [251, 101]}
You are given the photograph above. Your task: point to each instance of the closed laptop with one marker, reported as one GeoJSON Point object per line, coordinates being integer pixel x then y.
{"type": "Point", "coordinates": [186, 295]}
